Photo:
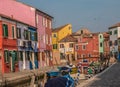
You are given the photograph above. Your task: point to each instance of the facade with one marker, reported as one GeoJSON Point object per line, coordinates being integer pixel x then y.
{"type": "Point", "coordinates": [114, 32]}
{"type": "Point", "coordinates": [8, 46]}
{"type": "Point", "coordinates": [101, 45]}
{"type": "Point", "coordinates": [106, 44]}
{"type": "Point", "coordinates": [13, 8]}
{"type": "Point", "coordinates": [58, 34]}
{"type": "Point", "coordinates": [87, 49]}
{"type": "Point", "coordinates": [27, 47]}
{"type": "Point", "coordinates": [66, 48]}
{"type": "Point", "coordinates": [44, 28]}
{"type": "Point", "coordinates": [25, 39]}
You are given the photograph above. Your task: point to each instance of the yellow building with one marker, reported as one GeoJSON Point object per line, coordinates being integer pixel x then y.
{"type": "Point", "coordinates": [66, 48]}
{"type": "Point", "coordinates": [58, 34]}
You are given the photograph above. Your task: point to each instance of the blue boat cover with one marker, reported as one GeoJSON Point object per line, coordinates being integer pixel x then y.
{"type": "Point", "coordinates": [63, 81]}
{"type": "Point", "coordinates": [57, 82]}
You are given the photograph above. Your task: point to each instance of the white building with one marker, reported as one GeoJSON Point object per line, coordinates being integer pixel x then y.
{"type": "Point", "coordinates": [114, 32]}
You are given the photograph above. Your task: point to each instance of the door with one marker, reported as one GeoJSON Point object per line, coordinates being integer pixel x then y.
{"type": "Point", "coordinates": [12, 60]}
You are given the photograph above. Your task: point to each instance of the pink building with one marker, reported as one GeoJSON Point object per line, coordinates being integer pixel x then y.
{"type": "Point", "coordinates": [18, 11]}
{"type": "Point", "coordinates": [44, 26]}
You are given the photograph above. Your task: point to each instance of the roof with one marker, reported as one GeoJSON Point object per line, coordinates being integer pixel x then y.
{"type": "Point", "coordinates": [59, 28]}
{"type": "Point", "coordinates": [68, 38]}
{"type": "Point", "coordinates": [115, 25]}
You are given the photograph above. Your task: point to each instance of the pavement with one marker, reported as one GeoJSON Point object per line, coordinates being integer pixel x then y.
{"type": "Point", "coordinates": [110, 77]}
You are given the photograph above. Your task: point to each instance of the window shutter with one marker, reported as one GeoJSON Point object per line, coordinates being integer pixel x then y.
{"type": "Point", "coordinates": [6, 56]}
{"type": "Point", "coordinates": [13, 32]}
{"type": "Point", "coordinates": [35, 35]}
{"type": "Point", "coordinates": [6, 30]}
{"type": "Point", "coordinates": [21, 55]}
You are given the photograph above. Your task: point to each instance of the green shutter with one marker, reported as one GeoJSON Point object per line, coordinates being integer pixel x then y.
{"type": "Point", "coordinates": [5, 30]}
{"type": "Point", "coordinates": [54, 46]}
{"type": "Point", "coordinates": [16, 57]}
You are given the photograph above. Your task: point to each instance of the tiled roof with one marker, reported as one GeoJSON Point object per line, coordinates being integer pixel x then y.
{"type": "Point", "coordinates": [59, 28]}
{"type": "Point", "coordinates": [68, 38]}
{"type": "Point", "coordinates": [115, 25]}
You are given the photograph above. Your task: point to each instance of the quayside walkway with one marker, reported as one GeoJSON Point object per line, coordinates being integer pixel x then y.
{"type": "Point", "coordinates": [108, 78]}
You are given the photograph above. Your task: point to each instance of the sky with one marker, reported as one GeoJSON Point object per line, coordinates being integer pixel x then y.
{"type": "Point", "coordinates": [96, 15]}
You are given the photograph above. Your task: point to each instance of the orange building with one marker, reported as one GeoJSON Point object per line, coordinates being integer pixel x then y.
{"type": "Point", "coordinates": [8, 46]}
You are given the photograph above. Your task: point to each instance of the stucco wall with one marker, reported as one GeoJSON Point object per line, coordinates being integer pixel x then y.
{"type": "Point", "coordinates": [18, 11]}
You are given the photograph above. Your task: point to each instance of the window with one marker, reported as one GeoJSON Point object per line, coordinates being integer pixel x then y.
{"type": "Point", "coordinates": [54, 46]}
{"type": "Point", "coordinates": [119, 42]}
{"type": "Point", "coordinates": [81, 31]}
{"type": "Point", "coordinates": [61, 45]}
{"type": "Point", "coordinates": [83, 47]}
{"type": "Point", "coordinates": [71, 45]}
{"type": "Point", "coordinates": [43, 21]}
{"type": "Point", "coordinates": [37, 19]}
{"type": "Point", "coordinates": [89, 55]}
{"type": "Point", "coordinates": [18, 33]}
{"type": "Point", "coordinates": [6, 56]}
{"type": "Point", "coordinates": [77, 47]}
{"type": "Point", "coordinates": [110, 32]}
{"type": "Point", "coordinates": [54, 35]}
{"type": "Point", "coordinates": [46, 23]}
{"type": "Point", "coordinates": [83, 55]}
{"type": "Point", "coordinates": [35, 34]}
{"type": "Point", "coordinates": [20, 56]}
{"type": "Point", "coordinates": [115, 31]}
{"type": "Point", "coordinates": [41, 37]}
{"type": "Point", "coordinates": [32, 36]}
{"type": "Point", "coordinates": [50, 40]}
{"type": "Point", "coordinates": [13, 32]}
{"type": "Point", "coordinates": [69, 27]}
{"type": "Point", "coordinates": [78, 56]}
{"type": "Point", "coordinates": [29, 35]}
{"type": "Point", "coordinates": [50, 24]}
{"type": "Point", "coordinates": [46, 38]}
{"type": "Point", "coordinates": [26, 34]}
{"type": "Point", "coordinates": [100, 36]}
{"type": "Point", "coordinates": [16, 57]}
{"type": "Point", "coordinates": [110, 43]}
{"type": "Point", "coordinates": [62, 56]}
{"type": "Point", "coordinates": [27, 55]}
{"type": "Point", "coordinates": [115, 43]}
{"type": "Point", "coordinates": [101, 44]}
{"type": "Point", "coordinates": [5, 30]}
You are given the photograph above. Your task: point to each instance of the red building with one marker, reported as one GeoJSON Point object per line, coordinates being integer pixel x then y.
{"type": "Point", "coordinates": [87, 49]}
{"type": "Point", "coordinates": [8, 46]}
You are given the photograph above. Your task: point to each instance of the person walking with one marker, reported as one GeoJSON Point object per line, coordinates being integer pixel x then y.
{"type": "Point", "coordinates": [90, 72]}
